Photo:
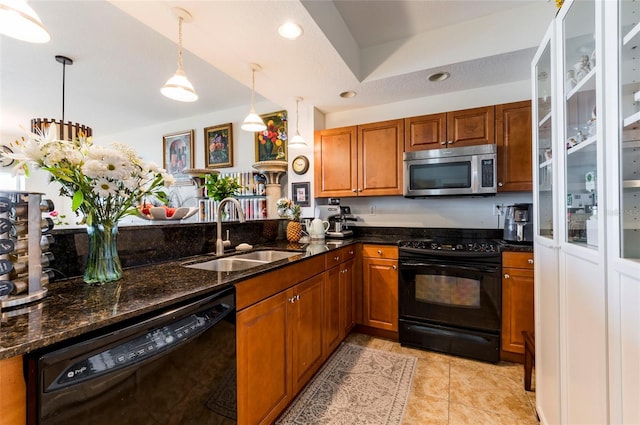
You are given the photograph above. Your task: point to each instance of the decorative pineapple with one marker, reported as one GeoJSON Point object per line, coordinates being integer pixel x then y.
{"type": "Point", "coordinates": [294, 227]}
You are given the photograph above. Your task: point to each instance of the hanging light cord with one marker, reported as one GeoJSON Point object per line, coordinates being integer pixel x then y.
{"type": "Point", "coordinates": [297, 118]}
{"type": "Point", "coordinates": [180, 42]}
{"type": "Point", "coordinates": [64, 67]}
{"type": "Point", "coordinates": [253, 87]}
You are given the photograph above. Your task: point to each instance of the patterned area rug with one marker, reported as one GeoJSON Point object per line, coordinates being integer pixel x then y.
{"type": "Point", "coordinates": [357, 385]}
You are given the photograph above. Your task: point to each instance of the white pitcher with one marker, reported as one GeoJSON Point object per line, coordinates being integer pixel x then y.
{"type": "Point", "coordinates": [318, 228]}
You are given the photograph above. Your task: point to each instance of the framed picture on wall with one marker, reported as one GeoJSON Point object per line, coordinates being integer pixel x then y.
{"type": "Point", "coordinates": [301, 193]}
{"type": "Point", "coordinates": [177, 154]}
{"type": "Point", "coordinates": [218, 145]}
{"type": "Point", "coordinates": [271, 144]}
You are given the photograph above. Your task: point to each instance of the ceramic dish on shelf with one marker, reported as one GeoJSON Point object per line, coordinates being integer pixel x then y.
{"type": "Point", "coordinates": [160, 213]}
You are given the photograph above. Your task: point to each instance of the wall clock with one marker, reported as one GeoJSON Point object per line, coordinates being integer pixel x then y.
{"type": "Point", "coordinates": [4, 161]}
{"type": "Point", "coordinates": [300, 164]}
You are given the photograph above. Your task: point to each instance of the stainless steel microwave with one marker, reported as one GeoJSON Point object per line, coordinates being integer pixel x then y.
{"type": "Point", "coordinates": [468, 170]}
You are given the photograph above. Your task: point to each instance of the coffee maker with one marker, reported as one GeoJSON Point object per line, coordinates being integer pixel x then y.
{"type": "Point", "coordinates": [518, 223]}
{"type": "Point", "coordinates": [338, 217]}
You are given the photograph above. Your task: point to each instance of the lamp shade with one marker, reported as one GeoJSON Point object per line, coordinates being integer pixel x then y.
{"type": "Point", "coordinates": [179, 88]}
{"type": "Point", "coordinates": [253, 122]}
{"type": "Point", "coordinates": [20, 21]}
{"type": "Point", "coordinates": [297, 141]}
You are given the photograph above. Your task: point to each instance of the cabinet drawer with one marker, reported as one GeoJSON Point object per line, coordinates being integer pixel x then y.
{"type": "Point", "coordinates": [520, 260]}
{"type": "Point", "coordinates": [380, 251]}
{"type": "Point", "coordinates": [338, 256]}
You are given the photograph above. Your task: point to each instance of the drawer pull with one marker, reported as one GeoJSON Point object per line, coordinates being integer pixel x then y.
{"type": "Point", "coordinates": [394, 267]}
{"type": "Point", "coordinates": [506, 276]}
{"type": "Point", "coordinates": [380, 251]}
{"type": "Point", "coordinates": [336, 258]}
{"type": "Point", "coordinates": [530, 261]}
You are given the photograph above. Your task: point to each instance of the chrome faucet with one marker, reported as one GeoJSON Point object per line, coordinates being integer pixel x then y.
{"type": "Point", "coordinates": [219, 241]}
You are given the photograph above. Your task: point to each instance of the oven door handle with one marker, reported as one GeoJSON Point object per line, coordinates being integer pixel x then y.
{"type": "Point", "coordinates": [448, 266]}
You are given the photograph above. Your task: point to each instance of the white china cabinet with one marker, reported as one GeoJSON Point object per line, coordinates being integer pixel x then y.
{"type": "Point", "coordinates": [586, 90]}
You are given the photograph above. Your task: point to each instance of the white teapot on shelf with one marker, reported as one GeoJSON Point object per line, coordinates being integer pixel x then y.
{"type": "Point", "coordinates": [316, 228]}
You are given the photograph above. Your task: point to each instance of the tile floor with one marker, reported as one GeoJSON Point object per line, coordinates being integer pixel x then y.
{"type": "Point", "coordinates": [449, 390]}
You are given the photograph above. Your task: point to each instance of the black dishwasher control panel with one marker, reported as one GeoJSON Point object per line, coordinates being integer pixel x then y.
{"type": "Point", "coordinates": [139, 348]}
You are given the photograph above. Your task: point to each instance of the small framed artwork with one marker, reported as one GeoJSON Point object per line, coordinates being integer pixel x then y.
{"type": "Point", "coordinates": [271, 144]}
{"type": "Point", "coordinates": [177, 154]}
{"type": "Point", "coordinates": [301, 193]}
{"type": "Point", "coordinates": [218, 144]}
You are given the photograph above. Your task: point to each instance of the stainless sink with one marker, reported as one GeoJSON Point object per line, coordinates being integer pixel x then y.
{"type": "Point", "coordinates": [267, 255]}
{"type": "Point", "coordinates": [241, 262]}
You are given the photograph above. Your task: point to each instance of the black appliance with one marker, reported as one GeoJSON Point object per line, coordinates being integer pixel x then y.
{"type": "Point", "coordinates": [449, 297]}
{"type": "Point", "coordinates": [178, 366]}
{"type": "Point", "coordinates": [518, 223]}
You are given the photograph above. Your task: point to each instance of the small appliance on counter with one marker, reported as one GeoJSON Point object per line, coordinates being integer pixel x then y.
{"type": "Point", "coordinates": [518, 223]}
{"type": "Point", "coordinates": [338, 217]}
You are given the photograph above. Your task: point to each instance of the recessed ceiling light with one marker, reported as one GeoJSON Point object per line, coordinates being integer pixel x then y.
{"type": "Point", "coordinates": [439, 76]}
{"type": "Point", "coordinates": [347, 94]}
{"type": "Point", "coordinates": [290, 30]}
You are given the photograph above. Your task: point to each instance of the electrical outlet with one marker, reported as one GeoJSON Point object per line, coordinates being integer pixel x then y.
{"type": "Point", "coordinates": [498, 209]}
{"type": "Point", "coordinates": [372, 210]}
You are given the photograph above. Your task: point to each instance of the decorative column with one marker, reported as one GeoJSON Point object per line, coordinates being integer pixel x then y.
{"type": "Point", "coordinates": [273, 171]}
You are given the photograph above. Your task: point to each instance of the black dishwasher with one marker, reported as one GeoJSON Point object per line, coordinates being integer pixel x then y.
{"type": "Point", "coordinates": [174, 367]}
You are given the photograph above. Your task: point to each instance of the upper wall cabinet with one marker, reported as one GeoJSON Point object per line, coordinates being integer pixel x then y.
{"type": "Point", "coordinates": [364, 160]}
{"type": "Point", "coordinates": [452, 129]}
{"type": "Point", "coordinates": [513, 137]}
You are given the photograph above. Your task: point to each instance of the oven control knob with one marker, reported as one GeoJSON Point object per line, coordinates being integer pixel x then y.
{"type": "Point", "coordinates": [434, 245]}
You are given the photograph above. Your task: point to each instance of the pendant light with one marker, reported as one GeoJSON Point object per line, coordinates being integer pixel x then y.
{"type": "Point", "coordinates": [178, 87]}
{"type": "Point", "coordinates": [253, 122]}
{"type": "Point", "coordinates": [68, 130]}
{"type": "Point", "coordinates": [297, 141]}
{"type": "Point", "coordinates": [19, 20]}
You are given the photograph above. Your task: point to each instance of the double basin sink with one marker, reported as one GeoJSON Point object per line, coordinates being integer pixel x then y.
{"type": "Point", "coordinates": [239, 262]}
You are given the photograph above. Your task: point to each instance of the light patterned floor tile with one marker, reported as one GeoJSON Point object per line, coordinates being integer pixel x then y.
{"type": "Point", "coordinates": [460, 414]}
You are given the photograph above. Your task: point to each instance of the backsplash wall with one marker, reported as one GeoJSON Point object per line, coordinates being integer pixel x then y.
{"type": "Point", "coordinates": [438, 212]}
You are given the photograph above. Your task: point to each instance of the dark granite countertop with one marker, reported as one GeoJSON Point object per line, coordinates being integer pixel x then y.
{"type": "Point", "coordinates": [72, 308]}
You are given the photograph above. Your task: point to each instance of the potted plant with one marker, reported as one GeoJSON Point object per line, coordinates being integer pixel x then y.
{"type": "Point", "coordinates": [287, 208]}
{"type": "Point", "coordinates": [219, 188]}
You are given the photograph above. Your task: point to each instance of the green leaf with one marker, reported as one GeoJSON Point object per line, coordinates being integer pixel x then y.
{"type": "Point", "coordinates": [78, 199]}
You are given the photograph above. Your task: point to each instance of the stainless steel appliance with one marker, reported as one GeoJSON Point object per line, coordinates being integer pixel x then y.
{"type": "Point", "coordinates": [178, 366]}
{"type": "Point", "coordinates": [518, 223]}
{"type": "Point", "coordinates": [449, 297]}
{"type": "Point", "coordinates": [338, 217]}
{"type": "Point", "coordinates": [469, 170]}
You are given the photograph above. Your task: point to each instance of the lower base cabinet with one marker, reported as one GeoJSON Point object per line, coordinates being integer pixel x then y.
{"type": "Point", "coordinates": [13, 392]}
{"type": "Point", "coordinates": [279, 348]}
{"type": "Point", "coordinates": [517, 303]}
{"type": "Point", "coordinates": [380, 287]}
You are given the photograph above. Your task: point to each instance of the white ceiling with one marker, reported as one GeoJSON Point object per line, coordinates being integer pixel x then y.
{"type": "Point", "coordinates": [124, 51]}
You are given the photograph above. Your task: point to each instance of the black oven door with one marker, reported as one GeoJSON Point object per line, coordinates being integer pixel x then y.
{"type": "Point", "coordinates": [459, 292]}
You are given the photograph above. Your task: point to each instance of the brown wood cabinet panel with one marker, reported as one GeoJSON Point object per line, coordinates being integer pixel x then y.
{"type": "Point", "coordinates": [264, 360]}
{"type": "Point", "coordinates": [380, 158]}
{"type": "Point", "coordinates": [380, 251]}
{"type": "Point", "coordinates": [471, 127]}
{"type": "Point", "coordinates": [305, 315]}
{"type": "Point", "coordinates": [336, 162]}
{"type": "Point", "coordinates": [425, 132]}
{"type": "Point", "coordinates": [380, 292]}
{"type": "Point", "coordinates": [513, 137]}
{"type": "Point", "coordinates": [13, 392]}
{"type": "Point", "coordinates": [347, 298]}
{"type": "Point", "coordinates": [332, 321]}
{"type": "Point", "coordinates": [517, 303]}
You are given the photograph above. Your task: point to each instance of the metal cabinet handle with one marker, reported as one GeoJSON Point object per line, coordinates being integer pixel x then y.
{"type": "Point", "coordinates": [443, 143]}
{"type": "Point", "coordinates": [394, 267]}
{"type": "Point", "coordinates": [351, 252]}
{"type": "Point", "coordinates": [530, 261]}
{"type": "Point", "coordinates": [451, 142]}
{"type": "Point", "coordinates": [294, 298]}
{"type": "Point", "coordinates": [380, 251]}
{"type": "Point", "coordinates": [506, 276]}
{"type": "Point", "coordinates": [354, 190]}
{"type": "Point", "coordinates": [500, 184]}
{"type": "Point", "coordinates": [359, 190]}
{"type": "Point", "coordinates": [336, 258]}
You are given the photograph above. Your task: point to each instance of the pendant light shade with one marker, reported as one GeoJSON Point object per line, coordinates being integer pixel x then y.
{"type": "Point", "coordinates": [297, 141]}
{"type": "Point", "coordinates": [253, 122]}
{"type": "Point", "coordinates": [66, 130]}
{"type": "Point", "coordinates": [178, 87]}
{"type": "Point", "coordinates": [18, 20]}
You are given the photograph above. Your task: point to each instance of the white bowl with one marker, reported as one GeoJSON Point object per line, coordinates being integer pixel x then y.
{"type": "Point", "coordinates": [160, 213]}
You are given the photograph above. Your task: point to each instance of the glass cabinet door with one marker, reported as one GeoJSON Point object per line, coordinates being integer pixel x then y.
{"type": "Point", "coordinates": [629, 18]}
{"type": "Point", "coordinates": [580, 124]}
{"type": "Point", "coordinates": [543, 89]}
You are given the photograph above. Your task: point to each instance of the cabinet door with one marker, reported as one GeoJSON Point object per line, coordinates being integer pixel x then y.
{"type": "Point", "coordinates": [380, 148]}
{"type": "Point", "coordinates": [380, 290]}
{"type": "Point", "coordinates": [347, 298]}
{"type": "Point", "coordinates": [305, 313]}
{"type": "Point", "coordinates": [471, 127]}
{"type": "Point", "coordinates": [513, 137]}
{"type": "Point", "coordinates": [332, 324]}
{"type": "Point", "coordinates": [517, 308]}
{"type": "Point", "coordinates": [264, 388]}
{"type": "Point", "coordinates": [336, 162]}
{"type": "Point", "coordinates": [425, 132]}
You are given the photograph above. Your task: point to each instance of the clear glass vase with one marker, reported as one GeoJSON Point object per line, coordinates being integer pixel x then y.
{"type": "Point", "coordinates": [103, 263]}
